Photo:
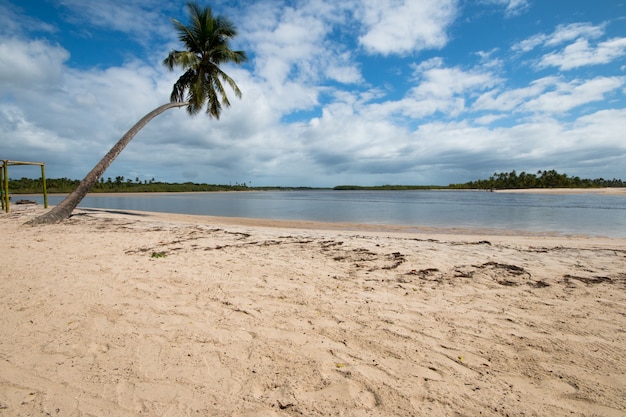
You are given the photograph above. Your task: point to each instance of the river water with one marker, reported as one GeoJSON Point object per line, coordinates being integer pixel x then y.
{"type": "Point", "coordinates": [580, 214]}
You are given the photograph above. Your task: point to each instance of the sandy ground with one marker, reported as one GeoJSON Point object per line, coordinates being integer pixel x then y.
{"type": "Point", "coordinates": [128, 314]}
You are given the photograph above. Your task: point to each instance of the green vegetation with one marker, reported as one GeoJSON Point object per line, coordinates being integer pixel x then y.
{"type": "Point", "coordinates": [122, 185]}
{"type": "Point", "coordinates": [543, 179]}
{"type": "Point", "coordinates": [509, 180]}
{"type": "Point", "coordinates": [390, 187]}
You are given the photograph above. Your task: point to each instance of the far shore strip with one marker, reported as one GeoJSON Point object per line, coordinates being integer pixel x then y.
{"type": "Point", "coordinates": [602, 190]}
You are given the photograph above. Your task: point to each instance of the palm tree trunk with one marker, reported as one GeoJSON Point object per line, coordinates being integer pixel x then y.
{"type": "Point", "coordinates": [65, 208]}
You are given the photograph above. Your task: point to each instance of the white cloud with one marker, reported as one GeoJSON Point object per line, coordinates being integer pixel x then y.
{"type": "Point", "coordinates": [515, 7]}
{"type": "Point", "coordinates": [422, 127]}
{"type": "Point", "coordinates": [343, 70]}
{"type": "Point", "coordinates": [293, 52]}
{"type": "Point", "coordinates": [582, 49]}
{"type": "Point", "coordinates": [511, 99]}
{"type": "Point", "coordinates": [531, 145]}
{"type": "Point", "coordinates": [566, 33]}
{"type": "Point", "coordinates": [142, 19]}
{"type": "Point", "coordinates": [27, 63]}
{"type": "Point", "coordinates": [606, 127]}
{"type": "Point", "coordinates": [438, 89]}
{"type": "Point", "coordinates": [580, 53]}
{"type": "Point", "coordinates": [567, 96]}
{"type": "Point", "coordinates": [550, 95]}
{"type": "Point", "coordinates": [405, 26]}
{"type": "Point", "coordinates": [13, 21]}
{"type": "Point", "coordinates": [490, 59]}
{"type": "Point", "coordinates": [296, 43]}
{"type": "Point", "coordinates": [529, 44]}
{"type": "Point", "coordinates": [440, 81]}
{"type": "Point", "coordinates": [488, 119]}
{"type": "Point", "coordinates": [25, 134]}
{"type": "Point", "coordinates": [562, 34]}
{"type": "Point", "coordinates": [442, 89]}
{"type": "Point", "coordinates": [511, 7]}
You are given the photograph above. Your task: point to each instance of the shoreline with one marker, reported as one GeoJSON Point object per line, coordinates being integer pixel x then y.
{"type": "Point", "coordinates": [338, 226]}
{"type": "Point", "coordinates": [612, 227]}
{"type": "Point", "coordinates": [120, 313]}
{"type": "Point", "coordinates": [599, 190]}
{"type": "Point", "coordinates": [379, 229]}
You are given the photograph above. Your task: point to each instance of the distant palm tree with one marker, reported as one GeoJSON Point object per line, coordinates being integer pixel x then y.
{"type": "Point", "coordinates": [206, 40]}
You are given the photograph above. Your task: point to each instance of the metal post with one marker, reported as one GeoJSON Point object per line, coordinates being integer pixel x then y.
{"type": "Point", "coordinates": [43, 179]}
{"type": "Point", "coordinates": [5, 172]}
{"type": "Point", "coordinates": [2, 184]}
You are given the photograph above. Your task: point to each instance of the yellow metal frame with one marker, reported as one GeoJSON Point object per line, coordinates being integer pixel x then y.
{"type": "Point", "coordinates": [4, 181]}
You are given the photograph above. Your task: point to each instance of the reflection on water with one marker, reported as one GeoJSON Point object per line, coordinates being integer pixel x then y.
{"type": "Point", "coordinates": [588, 214]}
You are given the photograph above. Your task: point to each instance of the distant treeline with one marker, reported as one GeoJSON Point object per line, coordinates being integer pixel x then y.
{"type": "Point", "coordinates": [543, 179]}
{"type": "Point", "coordinates": [389, 187]}
{"type": "Point", "coordinates": [508, 180]}
{"type": "Point", "coordinates": [122, 185]}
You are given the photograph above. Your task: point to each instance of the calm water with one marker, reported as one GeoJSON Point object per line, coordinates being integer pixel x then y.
{"type": "Point", "coordinates": [589, 214]}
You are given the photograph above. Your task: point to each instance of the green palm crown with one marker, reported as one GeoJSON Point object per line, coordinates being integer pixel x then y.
{"type": "Point", "coordinates": [206, 40]}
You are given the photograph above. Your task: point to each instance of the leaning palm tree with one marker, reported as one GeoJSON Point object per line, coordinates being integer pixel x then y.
{"type": "Point", "coordinates": [206, 40]}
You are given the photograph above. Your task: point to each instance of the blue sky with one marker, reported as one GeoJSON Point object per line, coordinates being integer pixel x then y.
{"type": "Point", "coordinates": [351, 92]}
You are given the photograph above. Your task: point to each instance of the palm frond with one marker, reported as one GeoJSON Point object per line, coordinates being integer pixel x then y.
{"type": "Point", "coordinates": [206, 41]}
{"type": "Point", "coordinates": [230, 82]}
{"type": "Point", "coordinates": [182, 85]}
{"type": "Point", "coordinates": [183, 59]}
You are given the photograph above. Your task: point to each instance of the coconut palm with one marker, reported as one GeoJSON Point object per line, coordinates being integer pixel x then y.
{"type": "Point", "coordinates": [206, 40]}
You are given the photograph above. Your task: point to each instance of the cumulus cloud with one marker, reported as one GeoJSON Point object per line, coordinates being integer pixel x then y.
{"type": "Point", "coordinates": [606, 126]}
{"type": "Point", "coordinates": [24, 63]}
{"type": "Point", "coordinates": [582, 47]}
{"type": "Point", "coordinates": [550, 95]}
{"type": "Point", "coordinates": [141, 19]}
{"type": "Point", "coordinates": [440, 81]}
{"type": "Point", "coordinates": [562, 34]}
{"type": "Point", "coordinates": [294, 54]}
{"type": "Point", "coordinates": [566, 33]}
{"type": "Point", "coordinates": [515, 7]}
{"type": "Point", "coordinates": [511, 99]}
{"type": "Point", "coordinates": [511, 7]}
{"type": "Point", "coordinates": [441, 89]}
{"type": "Point", "coordinates": [314, 112]}
{"type": "Point", "coordinates": [567, 96]}
{"type": "Point", "coordinates": [24, 133]}
{"type": "Point", "coordinates": [581, 53]}
{"type": "Point", "coordinates": [13, 21]}
{"type": "Point", "coordinates": [405, 26]}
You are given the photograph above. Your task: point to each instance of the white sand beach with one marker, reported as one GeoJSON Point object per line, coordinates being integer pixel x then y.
{"type": "Point", "coordinates": [127, 314]}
